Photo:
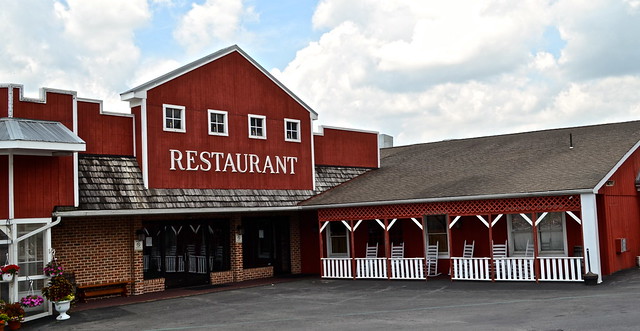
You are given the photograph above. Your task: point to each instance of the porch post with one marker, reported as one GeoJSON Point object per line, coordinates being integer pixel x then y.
{"type": "Point", "coordinates": [450, 247]}
{"type": "Point", "coordinates": [424, 244]}
{"type": "Point", "coordinates": [387, 247]}
{"type": "Point", "coordinates": [536, 263]}
{"type": "Point", "coordinates": [352, 249]}
{"type": "Point", "coordinates": [493, 273]}
{"type": "Point", "coordinates": [321, 248]}
{"type": "Point", "coordinates": [590, 233]}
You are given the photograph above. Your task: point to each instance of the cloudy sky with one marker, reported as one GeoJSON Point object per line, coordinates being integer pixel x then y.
{"type": "Point", "coordinates": [417, 70]}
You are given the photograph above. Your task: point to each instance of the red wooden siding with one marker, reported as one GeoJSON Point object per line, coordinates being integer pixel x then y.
{"type": "Point", "coordinates": [231, 84]}
{"type": "Point", "coordinates": [104, 133]}
{"type": "Point", "coordinates": [4, 184]}
{"type": "Point", "coordinates": [59, 107]}
{"type": "Point", "coordinates": [40, 183]}
{"type": "Point", "coordinates": [346, 148]}
{"type": "Point", "coordinates": [619, 217]}
{"type": "Point", "coordinates": [309, 254]}
{"type": "Point", "coordinates": [4, 98]}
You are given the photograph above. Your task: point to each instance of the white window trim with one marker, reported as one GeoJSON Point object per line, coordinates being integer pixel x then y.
{"type": "Point", "coordinates": [299, 131]}
{"type": "Point", "coordinates": [540, 253]}
{"type": "Point", "coordinates": [264, 126]}
{"type": "Point", "coordinates": [226, 122]}
{"type": "Point", "coordinates": [330, 253]}
{"type": "Point", "coordinates": [441, 254]}
{"type": "Point", "coordinates": [183, 129]}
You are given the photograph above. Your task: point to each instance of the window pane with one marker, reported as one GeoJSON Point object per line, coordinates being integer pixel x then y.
{"type": "Point", "coordinates": [437, 232]}
{"type": "Point", "coordinates": [551, 233]}
{"type": "Point", "coordinates": [521, 232]}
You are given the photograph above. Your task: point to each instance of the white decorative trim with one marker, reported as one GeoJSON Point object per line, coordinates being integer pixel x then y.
{"type": "Point", "coordinates": [10, 101]}
{"type": "Point", "coordinates": [145, 149]}
{"type": "Point", "coordinates": [226, 122]}
{"type": "Point", "coordinates": [322, 127]}
{"type": "Point", "coordinates": [539, 219]}
{"type": "Point", "coordinates": [574, 217]}
{"type": "Point", "coordinates": [381, 224]}
{"type": "Point", "coordinates": [483, 220]}
{"type": "Point", "coordinates": [76, 180]}
{"type": "Point", "coordinates": [615, 168]}
{"type": "Point", "coordinates": [496, 220]}
{"type": "Point", "coordinates": [183, 116]}
{"type": "Point", "coordinates": [140, 91]}
{"type": "Point", "coordinates": [391, 224]}
{"type": "Point", "coordinates": [526, 218]}
{"type": "Point", "coordinates": [298, 131]}
{"type": "Point", "coordinates": [264, 126]}
{"type": "Point", "coordinates": [454, 221]}
{"type": "Point", "coordinates": [323, 226]}
{"type": "Point", "coordinates": [347, 225]}
{"type": "Point", "coordinates": [355, 227]}
{"type": "Point", "coordinates": [417, 223]}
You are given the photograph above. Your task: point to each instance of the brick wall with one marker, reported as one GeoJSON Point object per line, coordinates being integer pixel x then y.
{"type": "Point", "coordinates": [96, 250]}
{"type": "Point", "coordinates": [152, 285]}
{"type": "Point", "coordinates": [257, 273]}
{"type": "Point", "coordinates": [222, 277]}
{"type": "Point", "coordinates": [294, 243]}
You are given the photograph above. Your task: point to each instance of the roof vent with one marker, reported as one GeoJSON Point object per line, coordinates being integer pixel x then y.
{"type": "Point", "coordinates": [570, 141]}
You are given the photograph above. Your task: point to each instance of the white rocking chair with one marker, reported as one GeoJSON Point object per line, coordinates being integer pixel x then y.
{"type": "Point", "coordinates": [397, 252]}
{"type": "Point", "coordinates": [372, 251]}
{"type": "Point", "coordinates": [432, 260]}
{"type": "Point", "coordinates": [468, 249]}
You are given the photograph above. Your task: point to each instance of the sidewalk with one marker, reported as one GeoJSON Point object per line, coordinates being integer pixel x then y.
{"type": "Point", "coordinates": [181, 292]}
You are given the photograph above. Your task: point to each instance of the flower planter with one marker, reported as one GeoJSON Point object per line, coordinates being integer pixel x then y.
{"type": "Point", "coordinates": [62, 307]}
{"type": "Point", "coordinates": [7, 277]}
{"type": "Point", "coordinates": [14, 325]}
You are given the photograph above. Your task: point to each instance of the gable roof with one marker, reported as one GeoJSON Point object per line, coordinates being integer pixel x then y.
{"type": "Point", "coordinates": [521, 164]}
{"type": "Point", "coordinates": [140, 91]}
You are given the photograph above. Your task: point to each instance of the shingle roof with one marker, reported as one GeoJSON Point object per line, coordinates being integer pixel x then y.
{"type": "Point", "coordinates": [115, 182]}
{"type": "Point", "coordinates": [512, 164]}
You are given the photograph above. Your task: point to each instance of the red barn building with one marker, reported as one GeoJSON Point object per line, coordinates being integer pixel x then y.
{"type": "Point", "coordinates": [217, 177]}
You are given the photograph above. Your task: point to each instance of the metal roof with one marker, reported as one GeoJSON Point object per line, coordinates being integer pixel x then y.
{"type": "Point", "coordinates": [26, 134]}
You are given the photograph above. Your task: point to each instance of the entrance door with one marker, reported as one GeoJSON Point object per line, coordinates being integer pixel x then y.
{"type": "Point", "coordinates": [266, 243]}
{"type": "Point", "coordinates": [184, 253]}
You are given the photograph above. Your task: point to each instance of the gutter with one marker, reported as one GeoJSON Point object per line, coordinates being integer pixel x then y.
{"type": "Point", "coordinates": [171, 211]}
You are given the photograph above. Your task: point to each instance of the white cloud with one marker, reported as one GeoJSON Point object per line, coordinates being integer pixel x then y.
{"type": "Point", "coordinates": [86, 46]}
{"type": "Point", "coordinates": [215, 22]}
{"type": "Point", "coordinates": [430, 70]}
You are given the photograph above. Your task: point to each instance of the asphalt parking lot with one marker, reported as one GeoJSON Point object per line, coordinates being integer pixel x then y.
{"type": "Point", "coordinates": [318, 304]}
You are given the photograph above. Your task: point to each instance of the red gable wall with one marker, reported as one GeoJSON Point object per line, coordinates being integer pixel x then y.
{"type": "Point", "coordinates": [43, 182]}
{"type": "Point", "coordinates": [233, 84]}
{"type": "Point", "coordinates": [108, 134]}
{"type": "Point", "coordinates": [341, 147]}
{"type": "Point", "coordinates": [4, 95]}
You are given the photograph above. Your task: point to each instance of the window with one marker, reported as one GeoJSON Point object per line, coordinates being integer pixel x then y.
{"type": "Point", "coordinates": [257, 127]}
{"type": "Point", "coordinates": [337, 240]}
{"type": "Point", "coordinates": [218, 125]}
{"type": "Point", "coordinates": [551, 234]}
{"type": "Point", "coordinates": [437, 233]}
{"type": "Point", "coordinates": [173, 118]}
{"type": "Point", "coordinates": [291, 130]}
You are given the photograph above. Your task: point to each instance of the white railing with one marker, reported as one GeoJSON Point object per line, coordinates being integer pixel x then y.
{"type": "Point", "coordinates": [407, 268]}
{"type": "Point", "coordinates": [336, 267]}
{"type": "Point", "coordinates": [568, 269]}
{"type": "Point", "coordinates": [475, 268]}
{"type": "Point", "coordinates": [198, 264]}
{"type": "Point", "coordinates": [371, 267]}
{"type": "Point", "coordinates": [515, 268]}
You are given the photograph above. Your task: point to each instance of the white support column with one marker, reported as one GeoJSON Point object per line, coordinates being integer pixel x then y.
{"type": "Point", "coordinates": [590, 233]}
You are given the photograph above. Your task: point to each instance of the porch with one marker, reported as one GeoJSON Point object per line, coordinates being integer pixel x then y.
{"type": "Point", "coordinates": [546, 243]}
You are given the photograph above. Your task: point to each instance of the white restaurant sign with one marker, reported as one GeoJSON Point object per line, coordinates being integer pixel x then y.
{"type": "Point", "coordinates": [231, 162]}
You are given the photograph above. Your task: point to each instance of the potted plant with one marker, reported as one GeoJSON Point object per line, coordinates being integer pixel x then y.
{"type": "Point", "coordinates": [3, 320]}
{"type": "Point", "coordinates": [8, 271]}
{"type": "Point", "coordinates": [15, 315]}
{"type": "Point", "coordinates": [53, 269]}
{"type": "Point", "coordinates": [31, 300]}
{"type": "Point", "coordinates": [60, 292]}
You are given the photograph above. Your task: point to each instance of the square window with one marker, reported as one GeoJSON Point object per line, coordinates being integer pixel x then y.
{"type": "Point", "coordinates": [257, 127]}
{"type": "Point", "coordinates": [291, 130]}
{"type": "Point", "coordinates": [218, 125]}
{"type": "Point", "coordinates": [173, 118]}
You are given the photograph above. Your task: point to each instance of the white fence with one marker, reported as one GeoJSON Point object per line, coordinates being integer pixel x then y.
{"type": "Point", "coordinates": [407, 268]}
{"type": "Point", "coordinates": [476, 268]}
{"type": "Point", "coordinates": [371, 267]}
{"type": "Point", "coordinates": [567, 269]}
{"type": "Point", "coordinates": [336, 267]}
{"type": "Point", "coordinates": [515, 268]}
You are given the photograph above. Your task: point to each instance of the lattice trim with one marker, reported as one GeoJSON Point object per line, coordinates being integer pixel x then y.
{"type": "Point", "coordinates": [471, 207]}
